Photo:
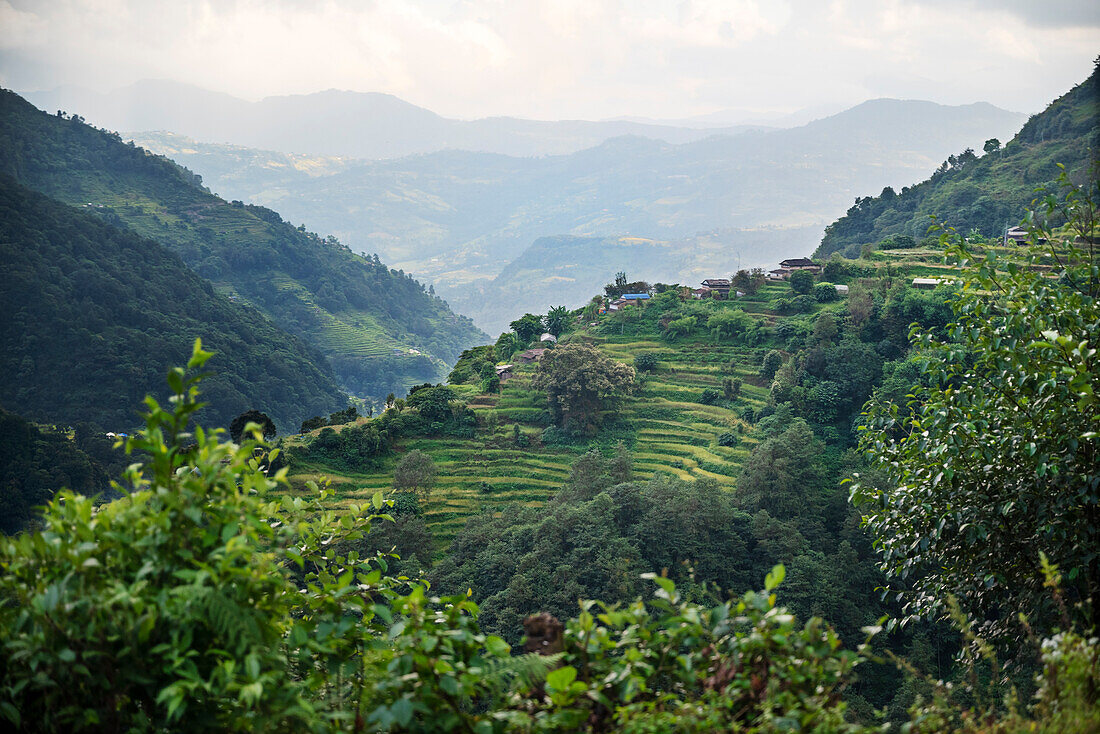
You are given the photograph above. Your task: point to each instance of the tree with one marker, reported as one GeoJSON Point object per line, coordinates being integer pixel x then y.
{"type": "Point", "coordinates": [998, 464]}
{"type": "Point", "coordinates": [527, 327]}
{"type": "Point", "coordinates": [415, 473]}
{"type": "Point", "coordinates": [992, 145]}
{"type": "Point", "coordinates": [236, 428]}
{"type": "Point", "coordinates": [580, 381]}
{"type": "Point", "coordinates": [680, 327]}
{"type": "Point", "coordinates": [802, 281]}
{"type": "Point", "coordinates": [557, 320]}
{"type": "Point", "coordinates": [825, 292]}
{"type": "Point", "coordinates": [727, 323]}
{"type": "Point", "coordinates": [770, 365]}
{"type": "Point", "coordinates": [825, 327]}
{"type": "Point", "coordinates": [433, 403]}
{"type": "Point", "coordinates": [748, 282]}
{"type": "Point", "coordinates": [646, 362]}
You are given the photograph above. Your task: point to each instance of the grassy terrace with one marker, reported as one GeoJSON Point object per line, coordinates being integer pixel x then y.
{"type": "Point", "coordinates": [664, 424]}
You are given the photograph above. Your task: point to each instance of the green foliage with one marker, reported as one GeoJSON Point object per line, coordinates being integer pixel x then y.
{"type": "Point", "coordinates": [433, 403]}
{"type": "Point", "coordinates": [802, 281]}
{"type": "Point", "coordinates": [527, 328]}
{"type": "Point", "coordinates": [825, 293]}
{"type": "Point", "coordinates": [471, 364]}
{"type": "Point", "coordinates": [415, 473]}
{"type": "Point", "coordinates": [772, 360]}
{"type": "Point", "coordinates": [581, 382]}
{"type": "Point", "coordinates": [240, 424]}
{"type": "Point", "coordinates": [981, 193]}
{"type": "Point", "coordinates": [557, 320]}
{"type": "Point", "coordinates": [94, 315]}
{"type": "Point", "coordinates": [729, 438]}
{"type": "Point", "coordinates": [681, 327]}
{"type": "Point", "coordinates": [668, 665]}
{"type": "Point", "coordinates": [351, 308]}
{"type": "Point", "coordinates": [34, 464]}
{"type": "Point", "coordinates": [998, 462]}
{"type": "Point", "coordinates": [646, 362]}
{"type": "Point", "coordinates": [728, 323]}
{"type": "Point", "coordinates": [178, 605]}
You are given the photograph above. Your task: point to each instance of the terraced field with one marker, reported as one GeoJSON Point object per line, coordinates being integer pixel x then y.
{"type": "Point", "coordinates": [667, 430]}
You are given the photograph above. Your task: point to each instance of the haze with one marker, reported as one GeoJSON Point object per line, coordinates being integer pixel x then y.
{"type": "Point", "coordinates": [734, 61]}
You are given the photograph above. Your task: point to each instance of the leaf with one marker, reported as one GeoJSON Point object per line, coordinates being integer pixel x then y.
{"type": "Point", "coordinates": [775, 577]}
{"type": "Point", "coordinates": [560, 679]}
{"type": "Point", "coordinates": [497, 646]}
{"type": "Point", "coordinates": [402, 710]}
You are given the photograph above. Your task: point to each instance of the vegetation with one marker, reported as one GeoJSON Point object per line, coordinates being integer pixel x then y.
{"type": "Point", "coordinates": [581, 384]}
{"type": "Point", "coordinates": [984, 194]}
{"type": "Point", "coordinates": [34, 464]}
{"type": "Point", "coordinates": [95, 315]}
{"type": "Point", "coordinates": [998, 463]}
{"type": "Point", "coordinates": [361, 315]}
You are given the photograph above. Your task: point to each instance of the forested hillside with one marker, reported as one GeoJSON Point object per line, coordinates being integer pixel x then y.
{"type": "Point", "coordinates": [379, 328]}
{"type": "Point", "coordinates": [94, 315]}
{"type": "Point", "coordinates": [987, 190]}
{"type": "Point", "coordinates": [34, 464]}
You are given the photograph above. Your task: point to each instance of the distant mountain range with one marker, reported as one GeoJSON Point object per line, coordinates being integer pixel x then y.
{"type": "Point", "coordinates": [985, 192]}
{"type": "Point", "coordinates": [337, 123]}
{"type": "Point", "coordinates": [458, 218]}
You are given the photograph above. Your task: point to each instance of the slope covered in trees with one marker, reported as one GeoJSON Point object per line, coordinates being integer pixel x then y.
{"type": "Point", "coordinates": [366, 318]}
{"type": "Point", "coordinates": [94, 315]}
{"type": "Point", "coordinates": [984, 192]}
{"type": "Point", "coordinates": [34, 464]}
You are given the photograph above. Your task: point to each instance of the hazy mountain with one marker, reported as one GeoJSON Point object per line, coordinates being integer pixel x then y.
{"type": "Point", "coordinates": [988, 192]}
{"type": "Point", "coordinates": [458, 218]}
{"type": "Point", "coordinates": [379, 328]}
{"type": "Point", "coordinates": [337, 123]}
{"type": "Point", "coordinates": [568, 270]}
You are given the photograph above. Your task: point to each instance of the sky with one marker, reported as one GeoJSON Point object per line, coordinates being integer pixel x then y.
{"type": "Point", "coordinates": [566, 59]}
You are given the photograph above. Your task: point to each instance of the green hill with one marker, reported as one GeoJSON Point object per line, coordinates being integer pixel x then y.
{"type": "Point", "coordinates": [95, 315]}
{"type": "Point", "coordinates": [986, 193]}
{"type": "Point", "coordinates": [379, 328]}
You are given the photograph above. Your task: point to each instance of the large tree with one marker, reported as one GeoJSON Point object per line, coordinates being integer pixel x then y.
{"type": "Point", "coordinates": [580, 381]}
{"type": "Point", "coordinates": [415, 473]}
{"type": "Point", "coordinates": [999, 463]}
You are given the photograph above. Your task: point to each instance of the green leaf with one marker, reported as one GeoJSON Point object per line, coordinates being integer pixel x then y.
{"type": "Point", "coordinates": [775, 577]}
{"type": "Point", "coordinates": [497, 647]}
{"type": "Point", "coordinates": [560, 679]}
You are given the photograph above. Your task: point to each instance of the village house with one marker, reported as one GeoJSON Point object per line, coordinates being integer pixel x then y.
{"type": "Point", "coordinates": [532, 355]}
{"type": "Point", "coordinates": [504, 372]}
{"type": "Point", "coordinates": [548, 338]}
{"type": "Point", "coordinates": [720, 287]}
{"type": "Point", "coordinates": [841, 289]}
{"type": "Point", "coordinates": [698, 293]}
{"type": "Point", "coordinates": [928, 284]}
{"type": "Point", "coordinates": [799, 263]}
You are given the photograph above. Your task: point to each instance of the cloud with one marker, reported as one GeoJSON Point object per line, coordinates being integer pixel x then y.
{"type": "Point", "coordinates": [561, 58]}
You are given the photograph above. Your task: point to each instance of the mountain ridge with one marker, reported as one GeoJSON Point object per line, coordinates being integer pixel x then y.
{"type": "Point", "coordinates": [381, 330]}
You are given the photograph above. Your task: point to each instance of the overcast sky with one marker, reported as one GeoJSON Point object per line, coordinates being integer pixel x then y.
{"type": "Point", "coordinates": [557, 59]}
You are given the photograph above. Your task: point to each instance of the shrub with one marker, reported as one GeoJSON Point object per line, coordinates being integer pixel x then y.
{"type": "Point", "coordinates": [178, 607]}
{"type": "Point", "coordinates": [710, 396]}
{"type": "Point", "coordinates": [645, 362]}
{"type": "Point", "coordinates": [804, 304]}
{"type": "Point", "coordinates": [802, 281]}
{"type": "Point", "coordinates": [825, 292]}
{"type": "Point", "coordinates": [729, 438]}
